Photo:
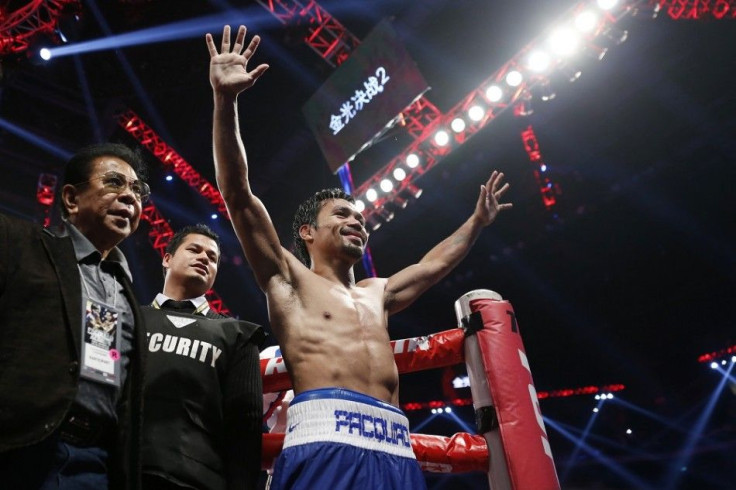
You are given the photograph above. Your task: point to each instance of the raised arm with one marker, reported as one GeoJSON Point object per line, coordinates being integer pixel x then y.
{"type": "Point", "coordinates": [408, 284]}
{"type": "Point", "coordinates": [229, 77]}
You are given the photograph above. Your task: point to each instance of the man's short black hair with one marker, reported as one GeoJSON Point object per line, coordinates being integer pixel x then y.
{"type": "Point", "coordinates": [79, 167]}
{"type": "Point", "coordinates": [306, 214]}
{"type": "Point", "coordinates": [198, 229]}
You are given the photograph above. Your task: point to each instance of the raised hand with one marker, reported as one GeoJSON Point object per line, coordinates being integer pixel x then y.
{"type": "Point", "coordinates": [488, 207]}
{"type": "Point", "coordinates": [229, 73]}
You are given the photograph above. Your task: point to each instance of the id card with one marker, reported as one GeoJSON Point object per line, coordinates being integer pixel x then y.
{"type": "Point", "coordinates": [101, 340]}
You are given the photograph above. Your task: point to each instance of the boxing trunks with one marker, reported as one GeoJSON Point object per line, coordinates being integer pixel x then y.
{"type": "Point", "coordinates": [341, 439]}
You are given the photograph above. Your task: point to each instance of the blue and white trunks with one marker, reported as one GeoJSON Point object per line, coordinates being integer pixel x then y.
{"type": "Point", "coordinates": [340, 439]}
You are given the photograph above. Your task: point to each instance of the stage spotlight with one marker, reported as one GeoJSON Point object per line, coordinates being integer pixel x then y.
{"type": "Point", "coordinates": [595, 410]}
{"type": "Point", "coordinates": [169, 178]}
{"type": "Point", "coordinates": [514, 78]}
{"type": "Point", "coordinates": [458, 125]}
{"type": "Point", "coordinates": [371, 194]}
{"type": "Point", "coordinates": [609, 396]}
{"type": "Point", "coordinates": [629, 431]}
{"type": "Point", "coordinates": [476, 113]}
{"type": "Point", "coordinates": [615, 36]}
{"type": "Point", "coordinates": [448, 410]}
{"type": "Point", "coordinates": [414, 191]}
{"type": "Point", "coordinates": [538, 61]}
{"type": "Point", "coordinates": [386, 185]}
{"type": "Point", "coordinates": [607, 4]}
{"type": "Point", "coordinates": [494, 93]}
{"type": "Point", "coordinates": [359, 205]}
{"type": "Point", "coordinates": [733, 358]}
{"type": "Point", "coordinates": [399, 174]}
{"type": "Point", "coordinates": [597, 397]}
{"type": "Point", "coordinates": [385, 214]}
{"type": "Point", "coordinates": [586, 21]}
{"type": "Point", "coordinates": [441, 138]}
{"type": "Point", "coordinates": [723, 362]}
{"type": "Point", "coordinates": [38, 51]}
{"type": "Point", "coordinates": [714, 365]}
{"type": "Point", "coordinates": [374, 223]}
{"type": "Point", "coordinates": [570, 73]}
{"type": "Point", "coordinates": [68, 27]}
{"type": "Point", "coordinates": [412, 160]}
{"type": "Point", "coordinates": [400, 202]}
{"type": "Point", "coordinates": [213, 216]}
{"type": "Point", "coordinates": [545, 91]}
{"type": "Point", "coordinates": [434, 410]}
{"type": "Point", "coordinates": [563, 42]}
{"type": "Point", "coordinates": [543, 167]}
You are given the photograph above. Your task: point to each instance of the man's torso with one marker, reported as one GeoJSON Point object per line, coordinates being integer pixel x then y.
{"type": "Point", "coordinates": [333, 336]}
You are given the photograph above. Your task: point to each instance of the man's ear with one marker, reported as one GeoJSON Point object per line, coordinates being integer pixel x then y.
{"type": "Point", "coordinates": [69, 198]}
{"type": "Point", "coordinates": [167, 259]}
{"type": "Point", "coordinates": [305, 232]}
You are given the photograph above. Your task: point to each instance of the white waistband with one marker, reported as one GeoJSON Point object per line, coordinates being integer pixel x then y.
{"type": "Point", "coordinates": [348, 422]}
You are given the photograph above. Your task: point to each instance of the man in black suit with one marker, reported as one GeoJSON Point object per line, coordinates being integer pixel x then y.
{"type": "Point", "coordinates": [71, 338]}
{"type": "Point", "coordinates": [202, 424]}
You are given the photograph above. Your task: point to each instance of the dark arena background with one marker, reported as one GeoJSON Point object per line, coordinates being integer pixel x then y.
{"type": "Point", "coordinates": [614, 122]}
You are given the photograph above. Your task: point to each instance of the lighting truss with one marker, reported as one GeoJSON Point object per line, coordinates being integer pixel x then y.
{"type": "Point", "coordinates": [430, 153]}
{"type": "Point", "coordinates": [325, 35]}
{"type": "Point", "coordinates": [171, 160]}
{"type": "Point", "coordinates": [45, 194]}
{"type": "Point", "coordinates": [563, 393]}
{"type": "Point", "coordinates": [695, 9]}
{"type": "Point", "coordinates": [712, 356]}
{"type": "Point", "coordinates": [548, 189]}
{"type": "Point", "coordinates": [19, 27]}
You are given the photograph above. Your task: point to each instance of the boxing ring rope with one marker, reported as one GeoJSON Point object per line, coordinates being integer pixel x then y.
{"type": "Point", "coordinates": [513, 449]}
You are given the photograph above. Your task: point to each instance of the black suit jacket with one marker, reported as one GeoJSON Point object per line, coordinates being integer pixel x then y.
{"type": "Point", "coordinates": [40, 325]}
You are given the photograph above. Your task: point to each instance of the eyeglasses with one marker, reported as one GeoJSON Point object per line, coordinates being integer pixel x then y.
{"type": "Point", "coordinates": [117, 182]}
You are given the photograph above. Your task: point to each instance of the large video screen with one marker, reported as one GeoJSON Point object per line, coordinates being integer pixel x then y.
{"type": "Point", "coordinates": [365, 93]}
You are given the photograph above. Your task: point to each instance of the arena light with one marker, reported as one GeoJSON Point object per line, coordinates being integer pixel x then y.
{"type": "Point", "coordinates": [494, 93]}
{"type": "Point", "coordinates": [213, 216]}
{"type": "Point", "coordinates": [538, 61]}
{"type": "Point", "coordinates": [441, 138]}
{"type": "Point", "coordinates": [386, 185]}
{"type": "Point", "coordinates": [458, 125]}
{"type": "Point", "coordinates": [399, 174]}
{"type": "Point", "coordinates": [514, 78]}
{"type": "Point", "coordinates": [385, 214]}
{"type": "Point", "coordinates": [476, 113]}
{"type": "Point", "coordinates": [412, 160]}
{"type": "Point", "coordinates": [400, 202]}
{"type": "Point", "coordinates": [563, 42]}
{"type": "Point", "coordinates": [359, 205]}
{"type": "Point", "coordinates": [371, 194]}
{"type": "Point", "coordinates": [44, 54]}
{"type": "Point", "coordinates": [169, 178]}
{"type": "Point", "coordinates": [545, 91]}
{"type": "Point", "coordinates": [414, 191]}
{"type": "Point", "coordinates": [586, 21]}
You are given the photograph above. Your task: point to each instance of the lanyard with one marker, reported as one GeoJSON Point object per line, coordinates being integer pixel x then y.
{"type": "Point", "coordinates": [102, 284]}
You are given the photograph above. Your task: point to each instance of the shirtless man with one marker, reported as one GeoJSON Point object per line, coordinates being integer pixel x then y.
{"type": "Point", "coordinates": [344, 428]}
